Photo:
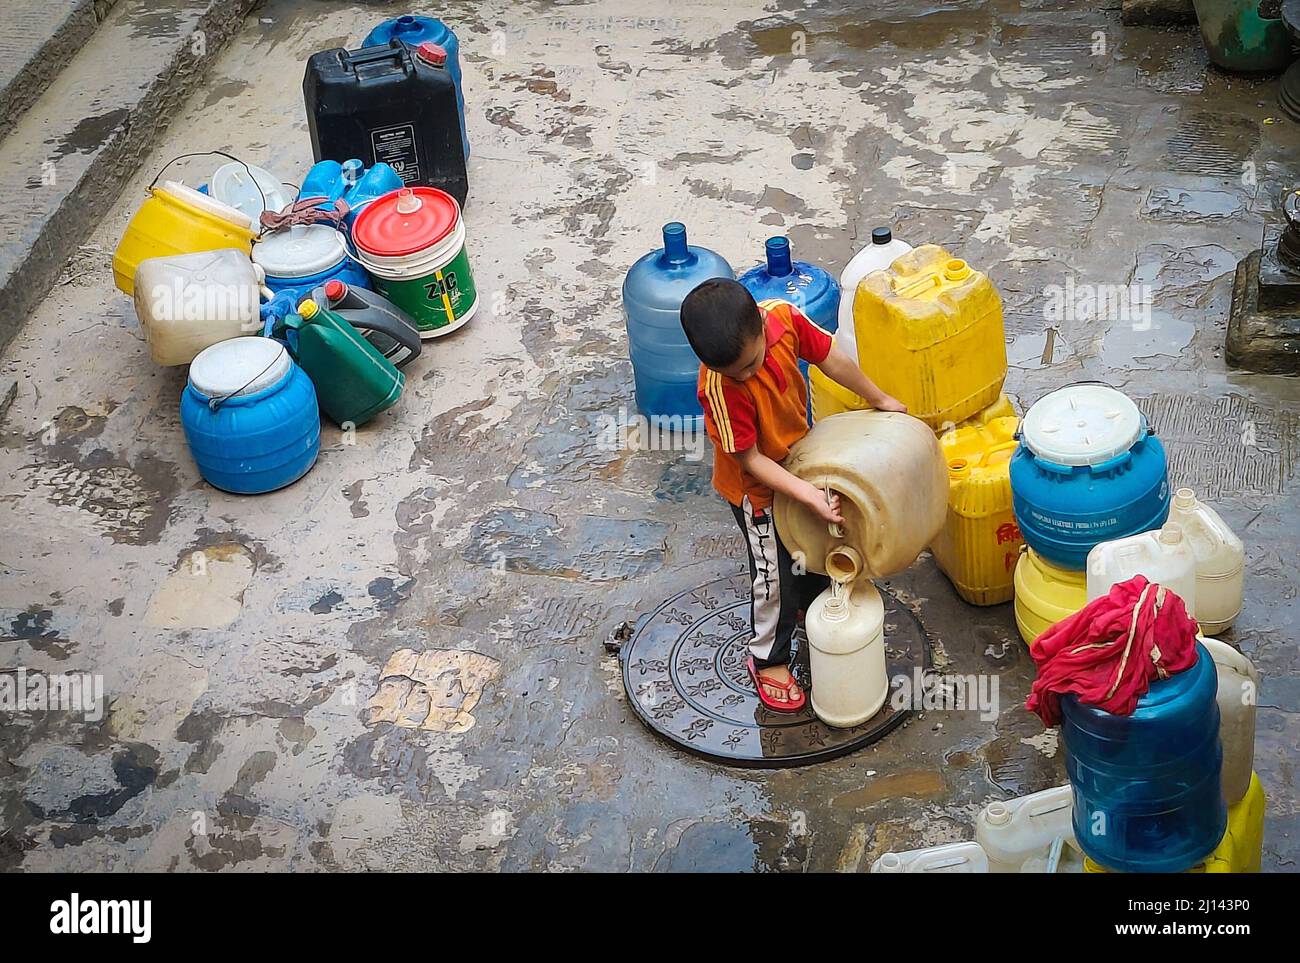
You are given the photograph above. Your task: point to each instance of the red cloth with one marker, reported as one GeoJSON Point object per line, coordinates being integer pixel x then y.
{"type": "Point", "coordinates": [1110, 651]}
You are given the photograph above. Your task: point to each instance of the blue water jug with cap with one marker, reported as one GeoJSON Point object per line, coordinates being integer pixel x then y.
{"type": "Point", "coordinates": [350, 181]}
{"type": "Point", "coordinates": [1147, 792]}
{"type": "Point", "coordinates": [1088, 469]}
{"type": "Point", "coordinates": [414, 31]}
{"type": "Point", "coordinates": [664, 366]}
{"type": "Point", "coordinates": [809, 288]}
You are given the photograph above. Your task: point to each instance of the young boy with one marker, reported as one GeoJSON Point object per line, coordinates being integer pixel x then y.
{"type": "Point", "coordinates": [755, 405]}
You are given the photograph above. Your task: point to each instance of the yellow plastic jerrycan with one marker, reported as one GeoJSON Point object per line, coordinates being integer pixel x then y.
{"type": "Point", "coordinates": [175, 219]}
{"type": "Point", "coordinates": [1242, 847]}
{"type": "Point", "coordinates": [893, 486]}
{"type": "Point", "coordinates": [1045, 594]}
{"type": "Point", "coordinates": [929, 332]}
{"type": "Point", "coordinates": [980, 544]}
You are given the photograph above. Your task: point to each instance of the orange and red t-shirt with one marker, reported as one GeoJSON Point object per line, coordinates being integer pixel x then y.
{"type": "Point", "coordinates": [769, 409]}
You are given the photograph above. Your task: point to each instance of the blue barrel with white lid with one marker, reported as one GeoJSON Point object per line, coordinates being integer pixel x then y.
{"type": "Point", "coordinates": [1088, 469]}
{"type": "Point", "coordinates": [300, 257]}
{"type": "Point", "coordinates": [809, 288]}
{"type": "Point", "coordinates": [664, 366]}
{"type": "Point", "coordinates": [250, 416]}
{"type": "Point", "coordinates": [413, 31]}
{"type": "Point", "coordinates": [1147, 791]}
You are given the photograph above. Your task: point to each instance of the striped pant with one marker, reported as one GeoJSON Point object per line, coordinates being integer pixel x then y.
{"type": "Point", "coordinates": [779, 592]}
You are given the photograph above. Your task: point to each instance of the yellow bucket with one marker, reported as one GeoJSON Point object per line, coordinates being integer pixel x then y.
{"type": "Point", "coordinates": [929, 332]}
{"type": "Point", "coordinates": [1045, 594]}
{"type": "Point", "coordinates": [979, 545]}
{"type": "Point", "coordinates": [175, 219]}
{"type": "Point", "coordinates": [1242, 847]}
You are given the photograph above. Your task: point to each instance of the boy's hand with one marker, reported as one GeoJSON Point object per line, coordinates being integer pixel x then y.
{"type": "Point", "coordinates": [889, 403]}
{"type": "Point", "coordinates": [815, 499]}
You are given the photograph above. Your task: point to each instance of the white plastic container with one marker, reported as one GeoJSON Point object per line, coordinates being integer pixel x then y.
{"type": "Point", "coordinates": [1238, 692]}
{"type": "Point", "coordinates": [1013, 830]}
{"type": "Point", "coordinates": [1220, 561]}
{"type": "Point", "coordinates": [1163, 556]}
{"type": "Point", "coordinates": [952, 858]}
{"type": "Point", "coordinates": [876, 256]}
{"type": "Point", "coordinates": [188, 302]}
{"type": "Point", "coordinates": [248, 188]}
{"type": "Point", "coordinates": [846, 654]}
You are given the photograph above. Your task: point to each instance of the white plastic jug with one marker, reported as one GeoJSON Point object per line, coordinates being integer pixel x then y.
{"type": "Point", "coordinates": [1013, 830]}
{"type": "Point", "coordinates": [1163, 556]}
{"type": "Point", "coordinates": [876, 256]}
{"type": "Point", "coordinates": [846, 653]}
{"type": "Point", "coordinates": [1220, 561]}
{"type": "Point", "coordinates": [188, 302]}
{"type": "Point", "coordinates": [248, 188]}
{"type": "Point", "coordinates": [1238, 691]}
{"type": "Point", "coordinates": [950, 858]}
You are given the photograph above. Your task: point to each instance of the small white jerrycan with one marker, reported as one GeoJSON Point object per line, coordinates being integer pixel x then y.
{"type": "Point", "coordinates": [1013, 830]}
{"type": "Point", "coordinates": [846, 653]}
{"type": "Point", "coordinates": [1163, 556]}
{"type": "Point", "coordinates": [1238, 690]}
{"type": "Point", "coordinates": [1220, 561]}
{"type": "Point", "coordinates": [952, 858]}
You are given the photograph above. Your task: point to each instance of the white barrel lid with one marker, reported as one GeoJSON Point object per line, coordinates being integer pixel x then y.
{"type": "Point", "coordinates": [300, 250]}
{"type": "Point", "coordinates": [207, 203]}
{"type": "Point", "coordinates": [248, 188]}
{"type": "Point", "coordinates": [1083, 424]}
{"type": "Point", "coordinates": [240, 366]}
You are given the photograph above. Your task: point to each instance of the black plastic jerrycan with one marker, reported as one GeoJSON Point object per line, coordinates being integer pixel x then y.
{"type": "Point", "coordinates": [394, 104]}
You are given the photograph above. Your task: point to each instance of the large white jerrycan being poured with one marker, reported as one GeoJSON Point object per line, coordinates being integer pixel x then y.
{"type": "Point", "coordinates": [1013, 830]}
{"type": "Point", "coordinates": [1220, 561]}
{"type": "Point", "coordinates": [950, 858]}
{"type": "Point", "coordinates": [1238, 690]}
{"type": "Point", "coordinates": [846, 654]}
{"type": "Point", "coordinates": [892, 481]}
{"type": "Point", "coordinates": [1164, 556]}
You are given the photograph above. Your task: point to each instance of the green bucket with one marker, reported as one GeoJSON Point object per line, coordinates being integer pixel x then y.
{"type": "Point", "coordinates": [412, 241]}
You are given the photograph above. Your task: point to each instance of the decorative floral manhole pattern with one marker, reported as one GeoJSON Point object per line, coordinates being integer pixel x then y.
{"type": "Point", "coordinates": [684, 672]}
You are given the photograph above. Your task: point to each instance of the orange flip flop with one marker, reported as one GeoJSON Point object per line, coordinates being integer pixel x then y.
{"type": "Point", "coordinates": [776, 705]}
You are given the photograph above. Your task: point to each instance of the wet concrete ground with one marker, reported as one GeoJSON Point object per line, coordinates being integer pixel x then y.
{"type": "Point", "coordinates": [397, 662]}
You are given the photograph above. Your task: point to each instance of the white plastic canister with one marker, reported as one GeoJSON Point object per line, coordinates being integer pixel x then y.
{"type": "Point", "coordinates": [1237, 695]}
{"type": "Point", "coordinates": [1013, 830]}
{"type": "Point", "coordinates": [188, 302]}
{"type": "Point", "coordinates": [876, 256]}
{"type": "Point", "coordinates": [249, 189]}
{"type": "Point", "coordinates": [846, 654]}
{"type": "Point", "coordinates": [1163, 556]}
{"type": "Point", "coordinates": [1220, 561]}
{"type": "Point", "coordinates": [950, 858]}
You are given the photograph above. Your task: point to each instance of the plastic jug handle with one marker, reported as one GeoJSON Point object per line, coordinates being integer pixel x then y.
{"type": "Point", "coordinates": [919, 286]}
{"type": "Point", "coordinates": [836, 531]}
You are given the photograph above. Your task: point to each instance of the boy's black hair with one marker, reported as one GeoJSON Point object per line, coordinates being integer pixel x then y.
{"type": "Point", "coordinates": [720, 317]}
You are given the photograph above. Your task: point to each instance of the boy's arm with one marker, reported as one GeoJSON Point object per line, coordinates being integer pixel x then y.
{"type": "Point", "coordinates": [839, 367]}
{"type": "Point", "coordinates": [769, 473]}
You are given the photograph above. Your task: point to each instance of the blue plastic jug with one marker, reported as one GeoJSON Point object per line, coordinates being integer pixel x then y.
{"type": "Point", "coordinates": [664, 366]}
{"type": "Point", "coordinates": [1088, 469]}
{"type": "Point", "coordinates": [1147, 794]}
{"type": "Point", "coordinates": [806, 286]}
{"type": "Point", "coordinates": [414, 31]}
{"type": "Point", "coordinates": [250, 416]}
{"type": "Point", "coordinates": [356, 185]}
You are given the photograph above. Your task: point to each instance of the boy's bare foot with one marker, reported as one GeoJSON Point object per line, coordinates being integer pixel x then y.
{"type": "Point", "coordinates": [780, 674]}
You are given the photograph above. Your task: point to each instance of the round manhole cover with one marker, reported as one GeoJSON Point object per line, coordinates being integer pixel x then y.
{"type": "Point", "coordinates": [684, 671]}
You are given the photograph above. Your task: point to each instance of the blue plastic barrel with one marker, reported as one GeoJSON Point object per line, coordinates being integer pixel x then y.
{"type": "Point", "coordinates": [1088, 469]}
{"type": "Point", "coordinates": [809, 288]}
{"type": "Point", "coordinates": [250, 416]}
{"type": "Point", "coordinates": [1147, 795]}
{"type": "Point", "coordinates": [665, 369]}
{"type": "Point", "coordinates": [413, 31]}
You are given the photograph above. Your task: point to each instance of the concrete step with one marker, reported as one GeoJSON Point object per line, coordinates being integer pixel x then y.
{"type": "Point", "coordinates": [37, 39]}
{"type": "Point", "coordinates": [68, 155]}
